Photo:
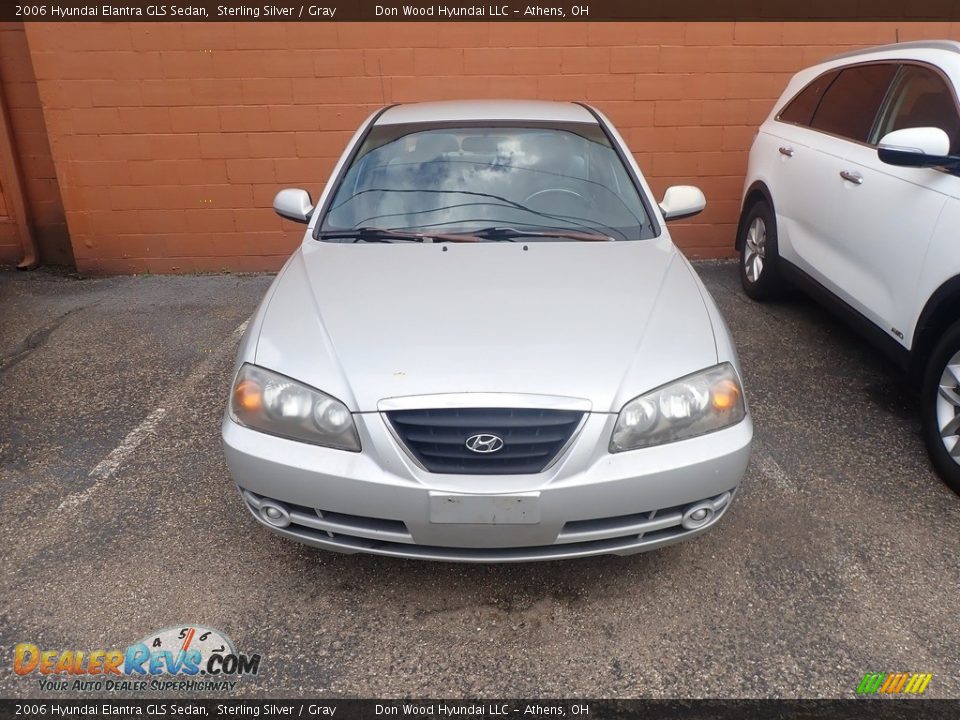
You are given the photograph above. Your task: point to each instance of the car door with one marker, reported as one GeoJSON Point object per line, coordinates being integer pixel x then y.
{"type": "Point", "coordinates": [888, 213]}
{"type": "Point", "coordinates": [793, 164]}
{"type": "Point", "coordinates": [840, 127]}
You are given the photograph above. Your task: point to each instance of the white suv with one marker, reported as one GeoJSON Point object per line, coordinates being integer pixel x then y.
{"type": "Point", "coordinates": [853, 194]}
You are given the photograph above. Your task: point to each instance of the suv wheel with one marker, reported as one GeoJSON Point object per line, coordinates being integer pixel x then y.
{"type": "Point", "coordinates": [941, 407]}
{"type": "Point", "coordinates": [759, 260]}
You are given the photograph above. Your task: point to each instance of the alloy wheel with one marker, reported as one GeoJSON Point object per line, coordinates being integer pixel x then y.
{"type": "Point", "coordinates": [756, 249]}
{"type": "Point", "coordinates": [948, 407]}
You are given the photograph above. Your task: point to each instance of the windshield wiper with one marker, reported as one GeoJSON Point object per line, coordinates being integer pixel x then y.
{"type": "Point", "coordinates": [385, 235]}
{"type": "Point", "coordinates": [490, 234]}
{"type": "Point", "coordinates": [510, 234]}
{"type": "Point", "coordinates": [588, 223]}
{"type": "Point", "coordinates": [365, 234]}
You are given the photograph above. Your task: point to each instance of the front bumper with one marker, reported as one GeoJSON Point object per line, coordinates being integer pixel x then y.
{"type": "Point", "coordinates": [589, 502]}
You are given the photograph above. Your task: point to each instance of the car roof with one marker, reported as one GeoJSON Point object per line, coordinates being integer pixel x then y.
{"type": "Point", "coordinates": [480, 110]}
{"type": "Point", "coordinates": [903, 49]}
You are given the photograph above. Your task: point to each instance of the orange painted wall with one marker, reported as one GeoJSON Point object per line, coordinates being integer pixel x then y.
{"type": "Point", "coordinates": [170, 140]}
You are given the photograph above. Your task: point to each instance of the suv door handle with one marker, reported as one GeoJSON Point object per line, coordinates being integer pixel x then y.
{"type": "Point", "coordinates": [854, 177]}
{"type": "Point", "coordinates": [788, 151]}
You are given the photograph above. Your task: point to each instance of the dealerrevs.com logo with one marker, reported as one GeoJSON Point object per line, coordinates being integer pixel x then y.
{"type": "Point", "coordinates": [187, 658]}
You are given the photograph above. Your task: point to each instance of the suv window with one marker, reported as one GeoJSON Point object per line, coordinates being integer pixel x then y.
{"type": "Point", "coordinates": [920, 98]}
{"type": "Point", "coordinates": [849, 106]}
{"type": "Point", "coordinates": [800, 110]}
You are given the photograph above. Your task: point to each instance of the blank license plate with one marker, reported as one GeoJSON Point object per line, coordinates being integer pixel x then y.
{"type": "Point", "coordinates": [519, 509]}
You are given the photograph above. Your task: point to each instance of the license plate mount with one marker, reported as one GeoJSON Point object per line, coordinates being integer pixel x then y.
{"type": "Point", "coordinates": [512, 509]}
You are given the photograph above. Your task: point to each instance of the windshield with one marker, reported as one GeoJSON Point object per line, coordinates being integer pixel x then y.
{"type": "Point", "coordinates": [524, 179]}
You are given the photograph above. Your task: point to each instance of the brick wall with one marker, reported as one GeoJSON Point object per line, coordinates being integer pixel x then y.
{"type": "Point", "coordinates": [170, 140]}
{"type": "Point", "coordinates": [39, 177]}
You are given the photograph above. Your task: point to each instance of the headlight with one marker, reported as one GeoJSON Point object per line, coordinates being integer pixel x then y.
{"type": "Point", "coordinates": [275, 404]}
{"type": "Point", "coordinates": [700, 403]}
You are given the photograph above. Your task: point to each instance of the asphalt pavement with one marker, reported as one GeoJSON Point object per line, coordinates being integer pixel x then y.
{"type": "Point", "coordinates": [840, 556]}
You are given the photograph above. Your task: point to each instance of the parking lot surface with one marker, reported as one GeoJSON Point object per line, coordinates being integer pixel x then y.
{"type": "Point", "coordinates": [840, 556]}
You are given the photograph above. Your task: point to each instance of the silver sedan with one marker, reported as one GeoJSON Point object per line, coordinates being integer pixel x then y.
{"type": "Point", "coordinates": [487, 348]}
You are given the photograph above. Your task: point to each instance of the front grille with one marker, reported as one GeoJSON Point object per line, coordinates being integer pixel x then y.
{"type": "Point", "coordinates": [531, 438]}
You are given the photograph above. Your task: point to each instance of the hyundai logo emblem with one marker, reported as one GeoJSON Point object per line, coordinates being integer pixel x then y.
{"type": "Point", "coordinates": [484, 443]}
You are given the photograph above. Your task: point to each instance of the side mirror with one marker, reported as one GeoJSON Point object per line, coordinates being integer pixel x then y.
{"type": "Point", "coordinates": [916, 147]}
{"type": "Point", "coordinates": [293, 204]}
{"type": "Point", "coordinates": [682, 201]}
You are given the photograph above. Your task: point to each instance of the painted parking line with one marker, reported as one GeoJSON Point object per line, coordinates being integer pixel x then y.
{"type": "Point", "coordinates": [108, 466]}
{"type": "Point", "coordinates": [769, 467]}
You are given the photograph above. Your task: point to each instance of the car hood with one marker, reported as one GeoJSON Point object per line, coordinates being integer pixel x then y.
{"type": "Point", "coordinates": [597, 321]}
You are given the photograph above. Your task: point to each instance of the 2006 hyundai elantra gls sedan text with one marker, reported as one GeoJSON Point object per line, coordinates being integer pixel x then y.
{"type": "Point", "coordinates": [487, 348]}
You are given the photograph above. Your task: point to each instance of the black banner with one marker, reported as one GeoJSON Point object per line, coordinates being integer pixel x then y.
{"type": "Point", "coordinates": [487, 709]}
{"type": "Point", "coordinates": [502, 11]}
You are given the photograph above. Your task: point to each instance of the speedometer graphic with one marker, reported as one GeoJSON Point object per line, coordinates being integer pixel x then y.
{"type": "Point", "coordinates": [197, 642]}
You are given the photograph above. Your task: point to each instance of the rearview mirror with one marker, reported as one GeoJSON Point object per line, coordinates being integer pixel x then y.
{"type": "Point", "coordinates": [294, 204]}
{"type": "Point", "coordinates": [916, 147]}
{"type": "Point", "coordinates": [682, 201]}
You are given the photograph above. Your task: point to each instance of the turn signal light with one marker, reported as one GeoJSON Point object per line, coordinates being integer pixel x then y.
{"type": "Point", "coordinates": [725, 395]}
{"type": "Point", "coordinates": [248, 395]}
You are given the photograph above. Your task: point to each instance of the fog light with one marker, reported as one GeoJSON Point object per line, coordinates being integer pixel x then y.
{"type": "Point", "coordinates": [697, 516]}
{"type": "Point", "coordinates": [274, 514]}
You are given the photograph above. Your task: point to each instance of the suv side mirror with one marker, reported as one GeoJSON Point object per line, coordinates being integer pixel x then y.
{"type": "Point", "coordinates": [293, 204]}
{"type": "Point", "coordinates": [682, 201]}
{"type": "Point", "coordinates": [916, 147]}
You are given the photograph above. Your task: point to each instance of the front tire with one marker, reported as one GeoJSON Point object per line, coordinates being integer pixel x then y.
{"type": "Point", "coordinates": [940, 406]}
{"type": "Point", "coordinates": [759, 256]}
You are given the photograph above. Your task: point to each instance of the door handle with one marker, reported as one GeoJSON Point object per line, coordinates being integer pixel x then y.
{"type": "Point", "coordinates": [788, 151]}
{"type": "Point", "coordinates": [854, 177]}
